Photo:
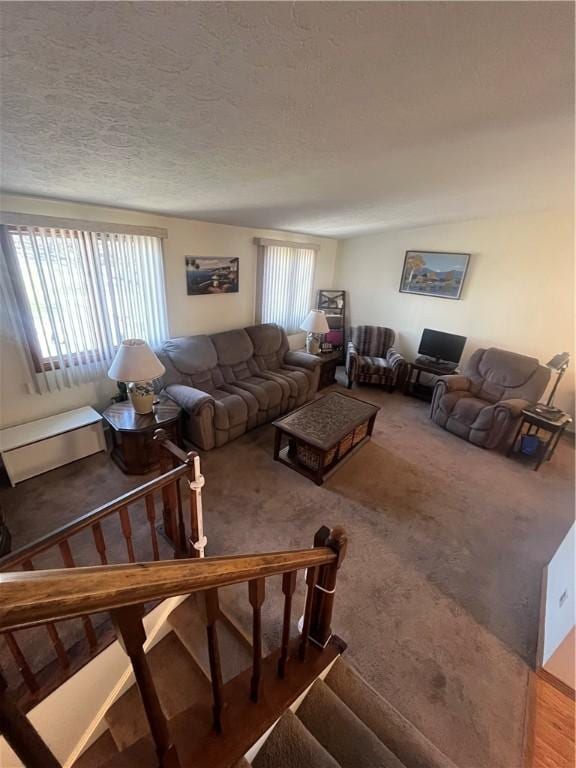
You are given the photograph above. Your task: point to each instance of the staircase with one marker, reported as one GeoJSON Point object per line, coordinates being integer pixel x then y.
{"type": "Point", "coordinates": [209, 693]}
{"type": "Point", "coordinates": [341, 721]}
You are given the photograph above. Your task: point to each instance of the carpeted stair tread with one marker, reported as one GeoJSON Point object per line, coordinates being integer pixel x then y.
{"type": "Point", "coordinates": [389, 725]}
{"type": "Point", "coordinates": [291, 745]}
{"type": "Point", "coordinates": [188, 623]}
{"type": "Point", "coordinates": [351, 743]}
{"type": "Point", "coordinates": [179, 683]}
{"type": "Point", "coordinates": [98, 753]}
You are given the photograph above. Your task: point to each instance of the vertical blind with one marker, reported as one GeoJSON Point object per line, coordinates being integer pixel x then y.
{"type": "Point", "coordinates": [287, 276]}
{"type": "Point", "coordinates": [80, 293]}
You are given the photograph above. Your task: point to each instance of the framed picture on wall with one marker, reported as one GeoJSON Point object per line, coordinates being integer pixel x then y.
{"type": "Point", "coordinates": [207, 275]}
{"type": "Point", "coordinates": [434, 273]}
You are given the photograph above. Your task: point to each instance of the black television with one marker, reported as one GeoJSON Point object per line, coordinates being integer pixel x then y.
{"type": "Point", "coordinates": [441, 346]}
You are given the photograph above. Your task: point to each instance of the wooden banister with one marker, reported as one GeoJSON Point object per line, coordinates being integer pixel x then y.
{"type": "Point", "coordinates": [84, 521]}
{"type": "Point", "coordinates": [29, 598]}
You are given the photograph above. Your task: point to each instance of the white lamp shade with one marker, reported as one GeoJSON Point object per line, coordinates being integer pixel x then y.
{"type": "Point", "coordinates": [135, 361]}
{"type": "Point", "coordinates": [315, 322]}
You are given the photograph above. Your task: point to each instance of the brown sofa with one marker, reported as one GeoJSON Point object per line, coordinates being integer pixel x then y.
{"type": "Point", "coordinates": [229, 382]}
{"type": "Point", "coordinates": [484, 403]}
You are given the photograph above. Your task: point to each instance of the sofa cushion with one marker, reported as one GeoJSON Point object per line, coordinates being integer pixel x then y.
{"type": "Point", "coordinates": [232, 347]}
{"type": "Point", "coordinates": [270, 345]}
{"type": "Point", "coordinates": [372, 365]}
{"type": "Point", "coordinates": [466, 410]}
{"type": "Point", "coordinates": [191, 354]}
{"type": "Point", "coordinates": [496, 374]}
{"type": "Point", "coordinates": [229, 410]}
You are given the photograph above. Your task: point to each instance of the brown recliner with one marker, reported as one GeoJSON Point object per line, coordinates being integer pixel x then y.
{"type": "Point", "coordinates": [484, 403]}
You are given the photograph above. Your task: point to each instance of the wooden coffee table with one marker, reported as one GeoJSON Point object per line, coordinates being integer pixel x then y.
{"type": "Point", "coordinates": [323, 433]}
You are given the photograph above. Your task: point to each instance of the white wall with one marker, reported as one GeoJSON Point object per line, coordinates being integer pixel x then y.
{"type": "Point", "coordinates": [518, 293]}
{"type": "Point", "coordinates": [186, 314]}
{"type": "Point", "coordinates": [560, 613]}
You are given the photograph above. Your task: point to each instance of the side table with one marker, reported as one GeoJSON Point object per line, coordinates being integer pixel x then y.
{"type": "Point", "coordinates": [328, 363]}
{"type": "Point", "coordinates": [423, 391]}
{"type": "Point", "coordinates": [537, 421]}
{"type": "Point", "coordinates": [133, 447]}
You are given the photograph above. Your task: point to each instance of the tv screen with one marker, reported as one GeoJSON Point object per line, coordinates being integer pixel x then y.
{"type": "Point", "coordinates": [441, 346]}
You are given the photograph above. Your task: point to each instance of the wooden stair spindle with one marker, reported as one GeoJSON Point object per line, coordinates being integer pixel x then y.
{"type": "Point", "coordinates": [21, 735]}
{"type": "Point", "coordinates": [151, 515]}
{"type": "Point", "coordinates": [256, 593]}
{"type": "Point", "coordinates": [181, 528]}
{"type": "Point", "coordinates": [168, 497]}
{"type": "Point", "coordinates": [325, 588]}
{"type": "Point", "coordinates": [22, 664]}
{"type": "Point", "coordinates": [131, 634]}
{"type": "Point", "coordinates": [99, 542]}
{"type": "Point", "coordinates": [288, 588]}
{"type": "Point", "coordinates": [211, 614]}
{"type": "Point", "coordinates": [127, 532]}
{"type": "Point", "coordinates": [68, 561]}
{"type": "Point", "coordinates": [57, 644]}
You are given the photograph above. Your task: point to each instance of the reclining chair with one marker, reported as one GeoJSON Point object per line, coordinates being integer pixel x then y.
{"type": "Point", "coordinates": [371, 358]}
{"type": "Point", "coordinates": [484, 404]}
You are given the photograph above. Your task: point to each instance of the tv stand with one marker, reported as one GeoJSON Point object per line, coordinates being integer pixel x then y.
{"type": "Point", "coordinates": [414, 387]}
{"type": "Point", "coordinates": [432, 364]}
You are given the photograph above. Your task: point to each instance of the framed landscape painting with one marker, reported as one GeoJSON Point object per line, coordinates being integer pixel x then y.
{"type": "Point", "coordinates": [434, 273]}
{"type": "Point", "coordinates": [206, 275]}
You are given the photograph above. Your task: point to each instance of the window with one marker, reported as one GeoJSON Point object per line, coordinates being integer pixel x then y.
{"type": "Point", "coordinates": [80, 293]}
{"type": "Point", "coordinates": [286, 280]}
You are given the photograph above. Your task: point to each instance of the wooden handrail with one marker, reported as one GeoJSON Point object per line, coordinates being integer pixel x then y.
{"type": "Point", "coordinates": [33, 597]}
{"type": "Point", "coordinates": [63, 533]}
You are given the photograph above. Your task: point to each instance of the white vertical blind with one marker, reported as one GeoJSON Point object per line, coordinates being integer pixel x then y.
{"type": "Point", "coordinates": [80, 293]}
{"type": "Point", "coordinates": [287, 275]}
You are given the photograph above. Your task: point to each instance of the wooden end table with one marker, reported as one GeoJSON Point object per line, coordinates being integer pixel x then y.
{"type": "Point", "coordinates": [133, 447]}
{"type": "Point", "coordinates": [324, 433]}
{"type": "Point", "coordinates": [414, 388]}
{"type": "Point", "coordinates": [537, 421]}
{"type": "Point", "coordinates": [328, 363]}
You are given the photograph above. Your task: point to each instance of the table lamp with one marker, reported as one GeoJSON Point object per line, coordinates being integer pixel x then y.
{"type": "Point", "coordinates": [316, 324]}
{"type": "Point", "coordinates": [137, 365]}
{"type": "Point", "coordinates": [559, 363]}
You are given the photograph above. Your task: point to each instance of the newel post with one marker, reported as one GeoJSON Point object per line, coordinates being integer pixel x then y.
{"type": "Point", "coordinates": [21, 735]}
{"type": "Point", "coordinates": [325, 587]}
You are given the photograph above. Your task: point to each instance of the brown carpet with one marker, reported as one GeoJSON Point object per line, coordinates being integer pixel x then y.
{"type": "Point", "coordinates": [438, 598]}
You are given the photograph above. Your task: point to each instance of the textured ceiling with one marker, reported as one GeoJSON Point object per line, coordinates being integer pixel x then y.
{"type": "Point", "coordinates": [333, 118]}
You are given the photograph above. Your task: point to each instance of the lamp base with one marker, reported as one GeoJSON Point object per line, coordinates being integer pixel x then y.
{"type": "Point", "coordinates": [312, 344]}
{"type": "Point", "coordinates": [142, 395]}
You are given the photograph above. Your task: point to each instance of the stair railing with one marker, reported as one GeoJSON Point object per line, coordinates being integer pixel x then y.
{"type": "Point", "coordinates": [176, 467]}
{"type": "Point", "coordinates": [36, 597]}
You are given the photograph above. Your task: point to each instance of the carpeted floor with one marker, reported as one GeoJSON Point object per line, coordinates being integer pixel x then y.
{"type": "Point", "coordinates": [438, 598]}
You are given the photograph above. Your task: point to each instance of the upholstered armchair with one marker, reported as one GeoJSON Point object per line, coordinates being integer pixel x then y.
{"type": "Point", "coordinates": [371, 358]}
{"type": "Point", "coordinates": [483, 404]}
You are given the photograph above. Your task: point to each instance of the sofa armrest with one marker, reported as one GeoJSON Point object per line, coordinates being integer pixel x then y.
{"type": "Point", "coordinates": [302, 360]}
{"type": "Point", "coordinates": [351, 359]}
{"type": "Point", "coordinates": [455, 382]}
{"type": "Point", "coordinates": [188, 398]}
{"type": "Point", "coordinates": [515, 405]}
{"type": "Point", "coordinates": [395, 359]}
